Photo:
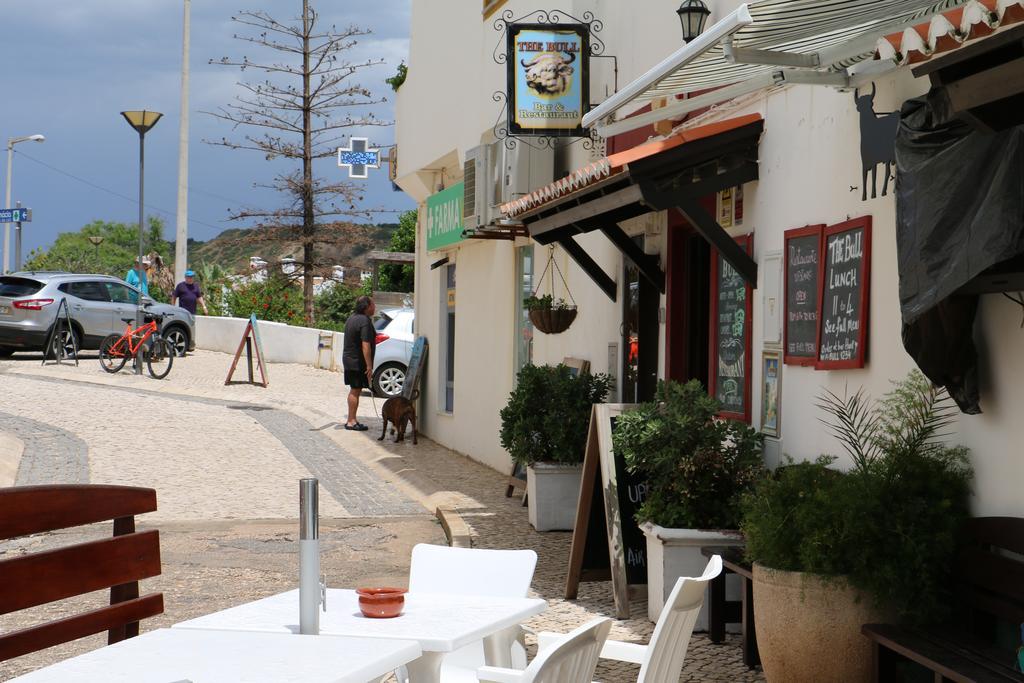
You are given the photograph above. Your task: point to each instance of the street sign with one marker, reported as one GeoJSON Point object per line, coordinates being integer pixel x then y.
{"type": "Point", "coordinates": [15, 215]}
{"type": "Point", "coordinates": [358, 157]}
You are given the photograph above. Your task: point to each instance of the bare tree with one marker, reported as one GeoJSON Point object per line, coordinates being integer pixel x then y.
{"type": "Point", "coordinates": [299, 107]}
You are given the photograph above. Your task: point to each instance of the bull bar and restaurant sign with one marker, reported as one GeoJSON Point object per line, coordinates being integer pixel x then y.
{"type": "Point", "coordinates": [548, 79]}
{"type": "Point", "coordinates": [444, 217]}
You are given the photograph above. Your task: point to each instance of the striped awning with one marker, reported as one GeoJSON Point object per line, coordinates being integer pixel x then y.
{"type": "Point", "coordinates": [842, 32]}
{"type": "Point", "coordinates": [949, 30]}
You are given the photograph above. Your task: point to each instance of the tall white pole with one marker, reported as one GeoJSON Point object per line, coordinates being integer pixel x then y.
{"type": "Point", "coordinates": [181, 235]}
{"type": "Point", "coordinates": [7, 205]}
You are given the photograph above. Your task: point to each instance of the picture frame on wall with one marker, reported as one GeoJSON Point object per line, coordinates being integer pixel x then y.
{"type": "Point", "coordinates": [771, 385]}
{"type": "Point", "coordinates": [578, 366]}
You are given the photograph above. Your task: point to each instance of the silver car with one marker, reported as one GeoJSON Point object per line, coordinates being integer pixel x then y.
{"type": "Point", "coordinates": [98, 304]}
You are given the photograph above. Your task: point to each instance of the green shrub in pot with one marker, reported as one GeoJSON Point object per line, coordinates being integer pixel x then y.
{"type": "Point", "coordinates": [548, 414]}
{"type": "Point", "coordinates": [887, 525]}
{"type": "Point", "coordinates": [696, 465]}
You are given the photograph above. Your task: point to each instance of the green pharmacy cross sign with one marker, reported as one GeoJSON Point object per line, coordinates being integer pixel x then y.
{"type": "Point", "coordinates": [358, 158]}
{"type": "Point", "coordinates": [444, 217]}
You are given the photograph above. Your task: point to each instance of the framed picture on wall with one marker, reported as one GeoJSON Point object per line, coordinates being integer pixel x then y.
{"type": "Point", "coordinates": [577, 366]}
{"type": "Point", "coordinates": [771, 379]}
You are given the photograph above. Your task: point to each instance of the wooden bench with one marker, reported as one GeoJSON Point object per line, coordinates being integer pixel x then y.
{"type": "Point", "coordinates": [117, 563]}
{"type": "Point", "coordinates": [988, 607]}
{"type": "Point", "coordinates": [722, 611]}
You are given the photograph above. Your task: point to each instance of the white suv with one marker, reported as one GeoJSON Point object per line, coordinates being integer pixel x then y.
{"type": "Point", "coordinates": [395, 335]}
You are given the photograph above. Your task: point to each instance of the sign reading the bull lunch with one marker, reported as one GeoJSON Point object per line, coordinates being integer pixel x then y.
{"type": "Point", "coordinates": [548, 79]}
{"type": "Point", "coordinates": [843, 323]}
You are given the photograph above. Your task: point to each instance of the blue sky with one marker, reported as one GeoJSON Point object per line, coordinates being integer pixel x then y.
{"type": "Point", "coordinates": [69, 67]}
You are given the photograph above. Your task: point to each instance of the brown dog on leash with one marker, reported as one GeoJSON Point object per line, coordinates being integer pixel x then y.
{"type": "Point", "coordinates": [400, 412]}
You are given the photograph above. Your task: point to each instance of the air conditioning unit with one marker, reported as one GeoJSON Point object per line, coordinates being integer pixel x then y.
{"type": "Point", "coordinates": [493, 174]}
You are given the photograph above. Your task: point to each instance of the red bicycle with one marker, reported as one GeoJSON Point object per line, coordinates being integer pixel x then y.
{"type": "Point", "coordinates": [116, 349]}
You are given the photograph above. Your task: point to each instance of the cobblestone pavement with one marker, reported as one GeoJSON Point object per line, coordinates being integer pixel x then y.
{"type": "Point", "coordinates": [46, 448]}
{"type": "Point", "coordinates": [234, 561]}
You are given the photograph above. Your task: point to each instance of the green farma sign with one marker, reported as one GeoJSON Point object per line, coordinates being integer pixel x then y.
{"type": "Point", "coordinates": [444, 217]}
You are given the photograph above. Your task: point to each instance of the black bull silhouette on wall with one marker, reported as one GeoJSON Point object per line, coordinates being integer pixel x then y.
{"type": "Point", "coordinates": [877, 142]}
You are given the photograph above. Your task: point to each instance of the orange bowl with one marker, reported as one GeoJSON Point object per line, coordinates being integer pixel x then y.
{"type": "Point", "coordinates": [381, 603]}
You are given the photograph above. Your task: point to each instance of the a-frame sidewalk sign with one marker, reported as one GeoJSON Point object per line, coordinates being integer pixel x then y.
{"type": "Point", "coordinates": [251, 334]}
{"type": "Point", "coordinates": [55, 340]}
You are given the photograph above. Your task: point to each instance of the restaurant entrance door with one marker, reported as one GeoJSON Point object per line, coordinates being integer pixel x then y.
{"type": "Point", "coordinates": [640, 303]}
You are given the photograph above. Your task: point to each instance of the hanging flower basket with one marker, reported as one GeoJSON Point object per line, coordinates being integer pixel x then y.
{"type": "Point", "coordinates": [550, 315]}
{"type": "Point", "coordinates": [552, 320]}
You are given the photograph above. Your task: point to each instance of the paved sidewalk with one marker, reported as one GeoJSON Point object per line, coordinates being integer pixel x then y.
{"type": "Point", "coordinates": [427, 475]}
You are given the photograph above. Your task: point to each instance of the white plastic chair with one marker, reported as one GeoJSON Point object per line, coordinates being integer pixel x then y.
{"type": "Point", "coordinates": [571, 658]}
{"type": "Point", "coordinates": [661, 660]}
{"type": "Point", "coordinates": [473, 571]}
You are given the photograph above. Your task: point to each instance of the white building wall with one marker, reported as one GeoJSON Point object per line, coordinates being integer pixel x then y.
{"type": "Point", "coordinates": [809, 161]}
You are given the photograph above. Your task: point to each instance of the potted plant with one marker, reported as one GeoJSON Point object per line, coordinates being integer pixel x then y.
{"type": "Point", "coordinates": [544, 427]}
{"type": "Point", "coordinates": [834, 549]}
{"type": "Point", "coordinates": [697, 467]}
{"type": "Point", "coordinates": [549, 315]}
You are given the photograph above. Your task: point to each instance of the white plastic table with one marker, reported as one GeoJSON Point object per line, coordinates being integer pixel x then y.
{"type": "Point", "coordinates": [177, 656]}
{"type": "Point", "coordinates": [439, 623]}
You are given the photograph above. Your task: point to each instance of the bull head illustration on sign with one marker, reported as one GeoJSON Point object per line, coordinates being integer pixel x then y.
{"type": "Point", "coordinates": [549, 73]}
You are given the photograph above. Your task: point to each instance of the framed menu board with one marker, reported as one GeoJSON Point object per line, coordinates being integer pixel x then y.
{"type": "Point", "coordinates": [802, 274]}
{"type": "Point", "coordinates": [731, 309]}
{"type": "Point", "coordinates": [846, 279]}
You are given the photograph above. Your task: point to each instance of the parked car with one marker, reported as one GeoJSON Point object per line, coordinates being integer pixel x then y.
{"type": "Point", "coordinates": [97, 304]}
{"type": "Point", "coordinates": [395, 335]}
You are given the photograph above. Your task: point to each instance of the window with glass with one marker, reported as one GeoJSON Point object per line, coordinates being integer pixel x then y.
{"type": "Point", "coordinates": [523, 326]}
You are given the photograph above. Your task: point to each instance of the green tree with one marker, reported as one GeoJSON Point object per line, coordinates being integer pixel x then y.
{"type": "Point", "coordinates": [394, 277]}
{"type": "Point", "coordinates": [215, 285]}
{"type": "Point", "coordinates": [336, 304]}
{"type": "Point", "coordinates": [73, 252]}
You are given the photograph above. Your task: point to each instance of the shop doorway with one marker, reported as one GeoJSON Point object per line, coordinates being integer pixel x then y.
{"type": "Point", "coordinates": [687, 303]}
{"type": "Point", "coordinates": [640, 303]}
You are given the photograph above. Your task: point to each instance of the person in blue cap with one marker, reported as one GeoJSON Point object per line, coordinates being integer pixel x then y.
{"type": "Point", "coordinates": [187, 294]}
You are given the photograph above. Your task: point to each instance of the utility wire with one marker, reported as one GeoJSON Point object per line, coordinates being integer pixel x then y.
{"type": "Point", "coordinates": [118, 194]}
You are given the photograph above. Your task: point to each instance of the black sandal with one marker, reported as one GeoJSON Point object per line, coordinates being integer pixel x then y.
{"type": "Point", "coordinates": [357, 427]}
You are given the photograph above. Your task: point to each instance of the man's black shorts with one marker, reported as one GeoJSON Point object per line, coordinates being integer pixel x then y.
{"type": "Point", "coordinates": [357, 379]}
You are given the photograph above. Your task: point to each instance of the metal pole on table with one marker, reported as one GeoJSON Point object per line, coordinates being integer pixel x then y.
{"type": "Point", "coordinates": [309, 557]}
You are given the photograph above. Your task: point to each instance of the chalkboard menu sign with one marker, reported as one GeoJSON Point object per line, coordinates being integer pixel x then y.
{"type": "Point", "coordinates": [731, 306]}
{"type": "Point", "coordinates": [846, 275]}
{"type": "Point", "coordinates": [607, 542]}
{"type": "Point", "coordinates": [803, 277]}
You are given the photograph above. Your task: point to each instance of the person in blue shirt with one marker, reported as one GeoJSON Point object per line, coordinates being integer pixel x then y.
{"type": "Point", "coordinates": [136, 277]}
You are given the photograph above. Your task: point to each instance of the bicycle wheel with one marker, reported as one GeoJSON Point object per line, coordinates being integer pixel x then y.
{"type": "Point", "coordinates": [113, 353]}
{"type": "Point", "coordinates": [160, 357]}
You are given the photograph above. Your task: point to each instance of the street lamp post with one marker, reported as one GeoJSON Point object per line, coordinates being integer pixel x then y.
{"type": "Point", "coordinates": [97, 240]}
{"type": "Point", "coordinates": [11, 142]}
{"type": "Point", "coordinates": [141, 121]}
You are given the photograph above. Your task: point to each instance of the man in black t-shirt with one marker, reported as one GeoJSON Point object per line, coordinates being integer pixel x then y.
{"type": "Point", "coordinates": [357, 357]}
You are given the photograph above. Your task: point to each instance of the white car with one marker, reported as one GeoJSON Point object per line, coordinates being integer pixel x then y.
{"type": "Point", "coordinates": [395, 335]}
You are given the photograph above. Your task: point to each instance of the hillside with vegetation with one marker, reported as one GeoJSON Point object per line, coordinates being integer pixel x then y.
{"type": "Point", "coordinates": [232, 248]}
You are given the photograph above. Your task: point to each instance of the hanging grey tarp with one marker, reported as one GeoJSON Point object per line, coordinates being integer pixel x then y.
{"type": "Point", "coordinates": [959, 211]}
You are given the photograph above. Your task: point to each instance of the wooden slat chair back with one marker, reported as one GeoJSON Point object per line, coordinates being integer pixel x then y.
{"type": "Point", "coordinates": [989, 577]}
{"type": "Point", "coordinates": [117, 563]}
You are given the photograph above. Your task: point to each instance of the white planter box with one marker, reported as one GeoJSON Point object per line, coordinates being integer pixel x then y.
{"type": "Point", "coordinates": [672, 553]}
{"type": "Point", "coordinates": [553, 491]}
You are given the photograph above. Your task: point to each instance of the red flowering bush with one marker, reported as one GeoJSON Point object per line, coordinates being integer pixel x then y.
{"type": "Point", "coordinates": [275, 299]}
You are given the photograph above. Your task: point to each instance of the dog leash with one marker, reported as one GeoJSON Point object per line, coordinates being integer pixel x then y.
{"type": "Point", "coordinates": [374, 399]}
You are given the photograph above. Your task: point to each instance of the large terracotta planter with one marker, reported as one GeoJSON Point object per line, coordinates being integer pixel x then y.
{"type": "Point", "coordinates": [808, 628]}
{"type": "Point", "coordinates": [672, 553]}
{"type": "Point", "coordinates": [553, 491]}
